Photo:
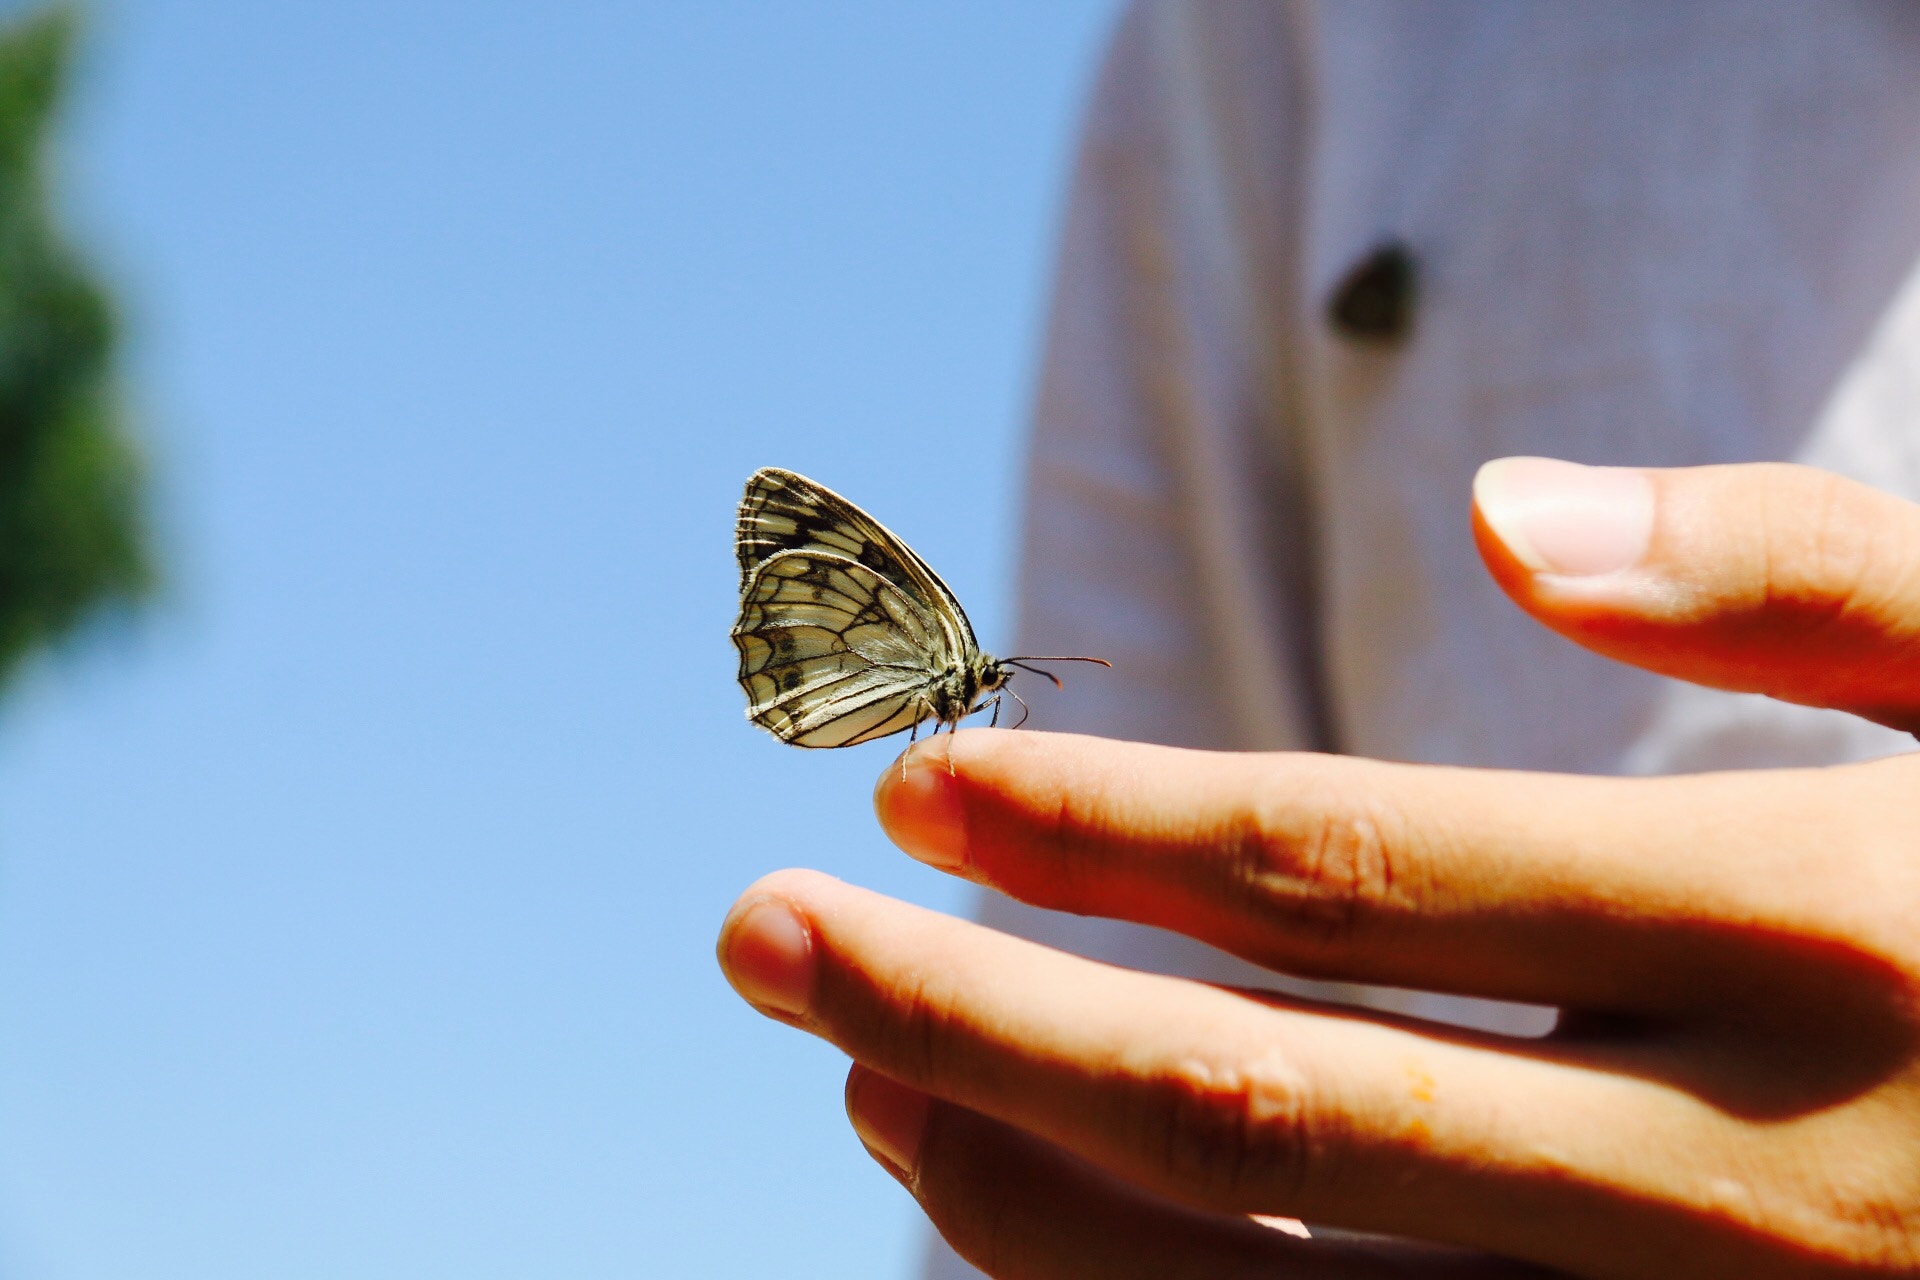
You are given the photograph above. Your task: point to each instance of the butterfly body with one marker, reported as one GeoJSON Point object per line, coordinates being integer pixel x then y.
{"type": "Point", "coordinates": [958, 693]}
{"type": "Point", "coordinates": [845, 634]}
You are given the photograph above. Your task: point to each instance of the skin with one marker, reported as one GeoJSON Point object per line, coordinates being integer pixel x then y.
{"type": "Point", "coordinates": [1734, 1086]}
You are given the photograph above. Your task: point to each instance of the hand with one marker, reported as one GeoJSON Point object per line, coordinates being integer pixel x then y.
{"type": "Point", "coordinates": [1734, 1086]}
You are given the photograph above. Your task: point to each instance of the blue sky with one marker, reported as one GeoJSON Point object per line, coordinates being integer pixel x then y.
{"type": "Point", "coordinates": [357, 900]}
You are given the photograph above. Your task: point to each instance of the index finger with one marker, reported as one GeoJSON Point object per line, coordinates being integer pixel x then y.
{"type": "Point", "coordinates": [1552, 889]}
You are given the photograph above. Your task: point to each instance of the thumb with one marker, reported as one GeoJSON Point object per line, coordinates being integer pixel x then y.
{"type": "Point", "coordinates": [1763, 578]}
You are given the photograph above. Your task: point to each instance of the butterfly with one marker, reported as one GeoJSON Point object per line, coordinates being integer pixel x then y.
{"type": "Point", "coordinates": [845, 635]}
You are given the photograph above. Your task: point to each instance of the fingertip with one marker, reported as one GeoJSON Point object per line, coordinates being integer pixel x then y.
{"type": "Point", "coordinates": [890, 1118]}
{"type": "Point", "coordinates": [797, 883]}
{"type": "Point", "coordinates": [767, 937]}
{"type": "Point", "coordinates": [918, 802]}
{"type": "Point", "coordinates": [1565, 520]}
{"type": "Point", "coordinates": [766, 951]}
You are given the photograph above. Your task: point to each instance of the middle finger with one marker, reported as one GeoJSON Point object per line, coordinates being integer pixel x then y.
{"type": "Point", "coordinates": [1220, 1100]}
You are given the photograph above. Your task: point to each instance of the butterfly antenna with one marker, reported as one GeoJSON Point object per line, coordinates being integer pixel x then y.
{"type": "Point", "coordinates": [1015, 662]}
{"type": "Point", "coordinates": [1054, 657]}
{"type": "Point", "coordinates": [1022, 661]}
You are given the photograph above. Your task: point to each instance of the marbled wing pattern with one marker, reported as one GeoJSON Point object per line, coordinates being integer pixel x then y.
{"type": "Point", "coordinates": [845, 635]}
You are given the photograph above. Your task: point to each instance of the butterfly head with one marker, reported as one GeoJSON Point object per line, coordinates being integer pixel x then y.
{"type": "Point", "coordinates": [962, 689]}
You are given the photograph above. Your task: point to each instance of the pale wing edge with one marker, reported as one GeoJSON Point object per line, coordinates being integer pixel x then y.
{"type": "Point", "coordinates": [903, 697]}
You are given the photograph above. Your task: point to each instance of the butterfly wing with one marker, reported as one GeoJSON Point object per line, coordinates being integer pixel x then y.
{"type": "Point", "coordinates": [784, 511]}
{"type": "Point", "coordinates": [832, 652]}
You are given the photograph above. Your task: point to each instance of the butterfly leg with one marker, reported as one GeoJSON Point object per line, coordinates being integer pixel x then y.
{"type": "Point", "coordinates": [994, 723]}
{"type": "Point", "coordinates": [913, 734]}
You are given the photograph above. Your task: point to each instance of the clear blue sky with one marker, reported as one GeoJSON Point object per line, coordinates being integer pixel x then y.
{"type": "Point", "coordinates": [357, 901]}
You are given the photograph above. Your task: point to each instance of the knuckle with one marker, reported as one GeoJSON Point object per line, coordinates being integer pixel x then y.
{"type": "Point", "coordinates": [1873, 1230]}
{"type": "Point", "coordinates": [1820, 550]}
{"type": "Point", "coordinates": [1238, 1135]}
{"type": "Point", "coordinates": [921, 1023]}
{"type": "Point", "coordinates": [1330, 872]}
{"type": "Point", "coordinates": [1077, 832]}
{"type": "Point", "coordinates": [1855, 917]}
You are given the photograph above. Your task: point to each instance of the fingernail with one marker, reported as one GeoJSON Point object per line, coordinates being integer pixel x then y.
{"type": "Point", "coordinates": [1562, 518]}
{"type": "Point", "coordinates": [918, 803]}
{"type": "Point", "coordinates": [889, 1117]}
{"type": "Point", "coordinates": [766, 951]}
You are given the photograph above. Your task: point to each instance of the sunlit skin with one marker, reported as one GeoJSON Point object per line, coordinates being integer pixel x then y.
{"type": "Point", "coordinates": [1734, 1090]}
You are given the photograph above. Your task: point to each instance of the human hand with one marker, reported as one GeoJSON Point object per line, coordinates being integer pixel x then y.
{"type": "Point", "coordinates": [1734, 1087]}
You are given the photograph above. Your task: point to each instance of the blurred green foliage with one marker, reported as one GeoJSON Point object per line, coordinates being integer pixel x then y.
{"type": "Point", "coordinates": [70, 528]}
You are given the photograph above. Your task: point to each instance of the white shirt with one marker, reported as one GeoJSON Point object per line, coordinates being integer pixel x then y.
{"type": "Point", "coordinates": [1644, 234]}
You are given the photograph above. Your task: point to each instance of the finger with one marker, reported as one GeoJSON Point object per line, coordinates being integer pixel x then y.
{"type": "Point", "coordinates": [1224, 1102]}
{"type": "Point", "coordinates": [1022, 1209]}
{"type": "Point", "coordinates": [1763, 578]}
{"type": "Point", "coordinates": [1600, 893]}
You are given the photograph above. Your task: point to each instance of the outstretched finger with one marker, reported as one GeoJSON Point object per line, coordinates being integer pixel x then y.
{"type": "Point", "coordinates": [1022, 1209]}
{"type": "Point", "coordinates": [1242, 1105]}
{"type": "Point", "coordinates": [1763, 578]}
{"type": "Point", "coordinates": [1637, 896]}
